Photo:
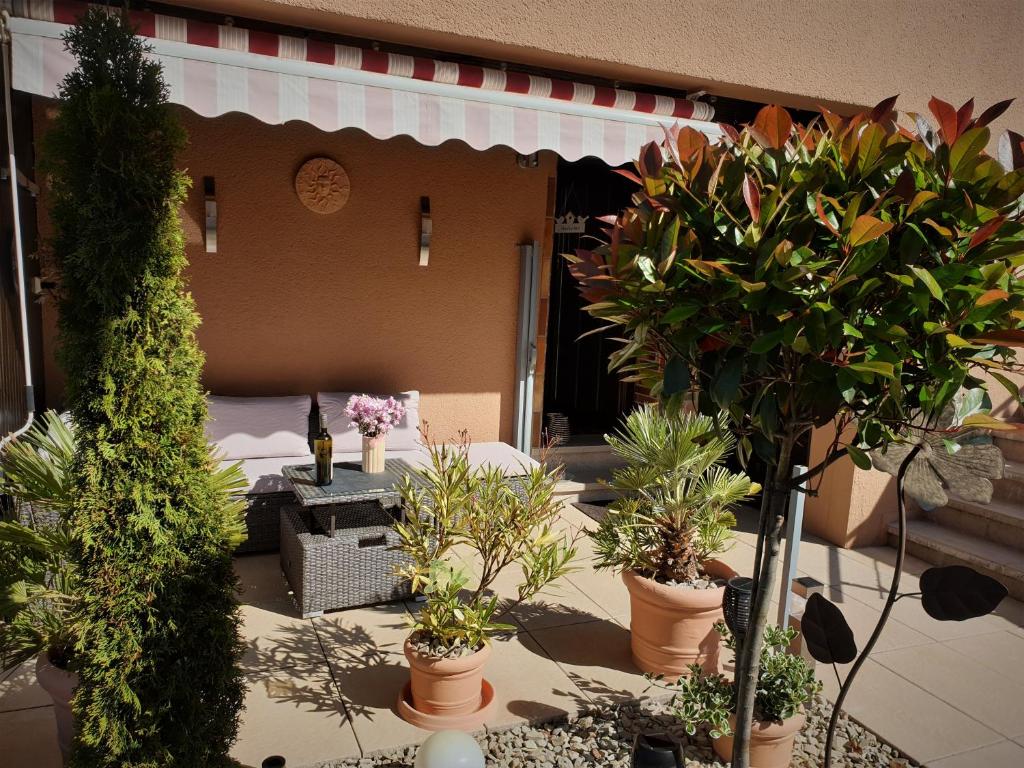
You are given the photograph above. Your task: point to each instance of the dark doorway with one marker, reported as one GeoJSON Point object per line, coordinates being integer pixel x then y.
{"type": "Point", "coordinates": [577, 384]}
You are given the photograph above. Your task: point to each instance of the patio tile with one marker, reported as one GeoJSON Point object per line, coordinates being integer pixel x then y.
{"type": "Point", "coordinates": [603, 588]}
{"type": "Point", "coordinates": [296, 713]}
{"type": "Point", "coordinates": [961, 681]}
{"type": "Point", "coordinates": [19, 689]}
{"type": "Point", "coordinates": [278, 639]}
{"type": "Point", "coordinates": [261, 582]}
{"type": "Point", "coordinates": [364, 649]}
{"type": "Point", "coordinates": [1005, 754]}
{"type": "Point", "coordinates": [597, 661]}
{"type": "Point", "coordinates": [28, 739]}
{"type": "Point", "coordinates": [920, 724]}
{"type": "Point", "coordinates": [528, 684]}
{"type": "Point", "coordinates": [862, 619]}
{"type": "Point", "coordinates": [1001, 652]}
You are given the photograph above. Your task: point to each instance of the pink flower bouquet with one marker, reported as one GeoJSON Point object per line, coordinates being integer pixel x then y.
{"type": "Point", "coordinates": [374, 416]}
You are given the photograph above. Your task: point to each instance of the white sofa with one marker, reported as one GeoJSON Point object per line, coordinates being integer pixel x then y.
{"type": "Point", "coordinates": [265, 434]}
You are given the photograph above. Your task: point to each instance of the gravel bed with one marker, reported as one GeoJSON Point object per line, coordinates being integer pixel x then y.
{"type": "Point", "coordinates": [604, 738]}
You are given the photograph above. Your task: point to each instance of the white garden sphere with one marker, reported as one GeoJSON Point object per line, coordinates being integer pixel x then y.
{"type": "Point", "coordinates": [449, 749]}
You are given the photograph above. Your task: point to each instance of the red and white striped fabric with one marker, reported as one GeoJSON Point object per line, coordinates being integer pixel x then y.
{"type": "Point", "coordinates": [214, 69]}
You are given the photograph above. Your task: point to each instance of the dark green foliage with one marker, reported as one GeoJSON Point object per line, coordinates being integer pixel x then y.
{"type": "Point", "coordinates": [154, 528]}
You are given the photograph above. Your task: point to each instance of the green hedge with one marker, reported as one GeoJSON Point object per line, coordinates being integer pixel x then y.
{"type": "Point", "coordinates": [160, 683]}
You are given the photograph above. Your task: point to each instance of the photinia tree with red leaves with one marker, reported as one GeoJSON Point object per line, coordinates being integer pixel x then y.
{"type": "Point", "coordinates": [850, 272]}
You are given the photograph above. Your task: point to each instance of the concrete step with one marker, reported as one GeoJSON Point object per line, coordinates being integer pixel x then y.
{"type": "Point", "coordinates": [570, 491]}
{"type": "Point", "coordinates": [585, 469]}
{"type": "Point", "coordinates": [939, 545]}
{"type": "Point", "coordinates": [1011, 486]}
{"type": "Point", "coordinates": [1010, 443]}
{"type": "Point", "coordinates": [999, 521]}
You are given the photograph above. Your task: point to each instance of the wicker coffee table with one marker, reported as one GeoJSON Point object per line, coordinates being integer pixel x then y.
{"type": "Point", "coordinates": [338, 543]}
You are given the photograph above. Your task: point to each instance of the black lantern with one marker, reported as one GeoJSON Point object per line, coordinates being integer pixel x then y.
{"type": "Point", "coordinates": [274, 761]}
{"type": "Point", "coordinates": [736, 604]}
{"type": "Point", "coordinates": [656, 752]}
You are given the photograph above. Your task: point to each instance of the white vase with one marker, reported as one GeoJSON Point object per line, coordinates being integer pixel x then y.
{"type": "Point", "coordinates": [373, 454]}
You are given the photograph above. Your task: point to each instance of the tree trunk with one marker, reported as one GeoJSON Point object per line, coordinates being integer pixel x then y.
{"type": "Point", "coordinates": [748, 660]}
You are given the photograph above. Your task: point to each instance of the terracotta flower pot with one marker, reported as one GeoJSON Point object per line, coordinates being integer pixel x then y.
{"type": "Point", "coordinates": [673, 627]}
{"type": "Point", "coordinates": [448, 688]}
{"type": "Point", "coordinates": [771, 744]}
{"type": "Point", "coordinates": [60, 684]}
{"type": "Point", "coordinates": [373, 454]}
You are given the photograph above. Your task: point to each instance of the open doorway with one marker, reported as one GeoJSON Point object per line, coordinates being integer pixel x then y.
{"type": "Point", "coordinates": [582, 400]}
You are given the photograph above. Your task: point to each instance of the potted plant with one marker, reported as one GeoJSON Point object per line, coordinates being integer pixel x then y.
{"type": "Point", "coordinates": [662, 534]}
{"type": "Point", "coordinates": [40, 578]}
{"type": "Point", "coordinates": [785, 683]}
{"type": "Point", "coordinates": [465, 526]}
{"type": "Point", "coordinates": [374, 417]}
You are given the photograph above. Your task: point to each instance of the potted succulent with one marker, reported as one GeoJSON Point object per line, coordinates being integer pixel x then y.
{"type": "Point", "coordinates": [374, 417]}
{"type": "Point", "coordinates": [39, 578]}
{"type": "Point", "coordinates": [673, 516]}
{"type": "Point", "coordinates": [785, 684]}
{"type": "Point", "coordinates": [465, 526]}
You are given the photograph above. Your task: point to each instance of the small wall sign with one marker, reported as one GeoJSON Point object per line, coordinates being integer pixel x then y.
{"type": "Point", "coordinates": [322, 185]}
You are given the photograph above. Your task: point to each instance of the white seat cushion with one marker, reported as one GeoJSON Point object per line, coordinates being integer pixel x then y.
{"type": "Point", "coordinates": [404, 437]}
{"type": "Point", "coordinates": [259, 427]}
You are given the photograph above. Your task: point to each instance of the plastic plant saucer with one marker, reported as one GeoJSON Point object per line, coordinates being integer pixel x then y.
{"type": "Point", "coordinates": [469, 722]}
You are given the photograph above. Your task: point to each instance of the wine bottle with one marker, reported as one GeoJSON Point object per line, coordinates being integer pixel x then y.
{"type": "Point", "coordinates": [322, 450]}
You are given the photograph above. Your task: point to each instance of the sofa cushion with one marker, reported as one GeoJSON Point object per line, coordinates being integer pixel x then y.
{"type": "Point", "coordinates": [404, 437]}
{"type": "Point", "coordinates": [258, 427]}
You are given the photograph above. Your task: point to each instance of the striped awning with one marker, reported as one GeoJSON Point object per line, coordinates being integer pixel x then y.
{"type": "Point", "coordinates": [214, 69]}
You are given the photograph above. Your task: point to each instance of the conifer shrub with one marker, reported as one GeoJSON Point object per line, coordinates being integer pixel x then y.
{"type": "Point", "coordinates": [153, 522]}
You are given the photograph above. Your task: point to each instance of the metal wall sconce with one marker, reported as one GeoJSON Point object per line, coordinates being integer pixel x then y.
{"type": "Point", "coordinates": [528, 161]}
{"type": "Point", "coordinates": [209, 192]}
{"type": "Point", "coordinates": [426, 230]}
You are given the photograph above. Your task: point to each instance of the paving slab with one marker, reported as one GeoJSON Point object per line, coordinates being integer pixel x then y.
{"type": "Point", "coordinates": [960, 680]}
{"type": "Point", "coordinates": [904, 714]}
{"type": "Point", "coordinates": [28, 739]}
{"type": "Point", "coordinates": [20, 690]}
{"type": "Point", "coordinates": [297, 713]}
{"type": "Point", "coordinates": [1005, 754]}
{"type": "Point", "coordinates": [276, 637]}
{"type": "Point", "coordinates": [1001, 652]}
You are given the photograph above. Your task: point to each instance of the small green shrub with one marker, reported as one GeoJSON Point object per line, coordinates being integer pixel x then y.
{"type": "Point", "coordinates": [675, 510]}
{"type": "Point", "coordinates": [785, 684]}
{"type": "Point", "coordinates": [39, 586]}
{"type": "Point", "coordinates": [459, 518]}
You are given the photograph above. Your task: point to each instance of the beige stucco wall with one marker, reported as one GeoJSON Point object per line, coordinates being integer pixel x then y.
{"type": "Point", "coordinates": [795, 52]}
{"type": "Point", "coordinates": [296, 302]}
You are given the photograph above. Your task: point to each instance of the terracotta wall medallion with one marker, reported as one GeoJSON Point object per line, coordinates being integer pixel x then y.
{"type": "Point", "coordinates": [322, 185]}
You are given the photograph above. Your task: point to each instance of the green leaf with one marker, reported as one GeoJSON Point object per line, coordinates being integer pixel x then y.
{"type": "Point", "coordinates": [929, 282]}
{"type": "Point", "coordinates": [875, 366]}
{"type": "Point", "coordinates": [965, 151]}
{"type": "Point", "coordinates": [677, 377]}
{"type": "Point", "coordinates": [680, 312]}
{"type": "Point", "coordinates": [849, 330]}
{"type": "Point", "coordinates": [647, 268]}
{"type": "Point", "coordinates": [726, 383]}
{"type": "Point", "coordinates": [859, 458]}
{"type": "Point", "coordinates": [766, 342]}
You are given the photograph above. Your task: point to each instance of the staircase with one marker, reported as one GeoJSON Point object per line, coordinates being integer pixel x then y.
{"type": "Point", "coordinates": [986, 537]}
{"type": "Point", "coordinates": [584, 467]}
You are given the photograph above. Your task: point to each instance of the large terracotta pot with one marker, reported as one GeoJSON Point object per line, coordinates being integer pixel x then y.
{"type": "Point", "coordinates": [449, 688]}
{"type": "Point", "coordinates": [673, 627]}
{"type": "Point", "coordinates": [771, 744]}
{"type": "Point", "coordinates": [60, 684]}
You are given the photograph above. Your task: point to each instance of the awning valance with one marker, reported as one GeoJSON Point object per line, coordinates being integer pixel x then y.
{"type": "Point", "coordinates": [214, 69]}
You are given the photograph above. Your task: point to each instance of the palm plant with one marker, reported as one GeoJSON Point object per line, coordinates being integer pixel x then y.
{"type": "Point", "coordinates": [40, 578]}
{"type": "Point", "coordinates": [675, 509]}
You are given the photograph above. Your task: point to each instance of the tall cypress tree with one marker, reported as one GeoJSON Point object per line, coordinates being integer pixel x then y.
{"type": "Point", "coordinates": [160, 682]}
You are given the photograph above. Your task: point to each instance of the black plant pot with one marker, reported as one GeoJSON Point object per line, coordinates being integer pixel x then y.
{"type": "Point", "coordinates": [656, 752]}
{"type": "Point", "coordinates": [274, 761]}
{"type": "Point", "coordinates": [736, 604]}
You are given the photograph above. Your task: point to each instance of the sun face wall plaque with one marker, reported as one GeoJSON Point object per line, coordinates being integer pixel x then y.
{"type": "Point", "coordinates": [322, 185]}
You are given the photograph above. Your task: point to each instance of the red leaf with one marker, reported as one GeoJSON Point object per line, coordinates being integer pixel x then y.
{"type": "Point", "coordinates": [690, 142]}
{"type": "Point", "coordinates": [628, 174]}
{"type": "Point", "coordinates": [711, 344]}
{"type": "Point", "coordinates": [824, 218]}
{"type": "Point", "coordinates": [836, 123]}
{"type": "Point", "coordinates": [752, 198]}
{"type": "Point", "coordinates": [963, 116]}
{"type": "Point", "coordinates": [651, 160]}
{"type": "Point", "coordinates": [1008, 338]}
{"type": "Point", "coordinates": [775, 126]}
{"type": "Point", "coordinates": [946, 116]}
{"type": "Point", "coordinates": [985, 231]}
{"type": "Point", "coordinates": [730, 131]}
{"type": "Point", "coordinates": [883, 108]}
{"type": "Point", "coordinates": [990, 296]}
{"type": "Point", "coordinates": [993, 112]}
{"type": "Point", "coordinates": [867, 228]}
{"type": "Point", "coordinates": [905, 185]}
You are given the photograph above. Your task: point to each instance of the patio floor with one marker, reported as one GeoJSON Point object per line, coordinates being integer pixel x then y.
{"type": "Point", "coordinates": [947, 694]}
